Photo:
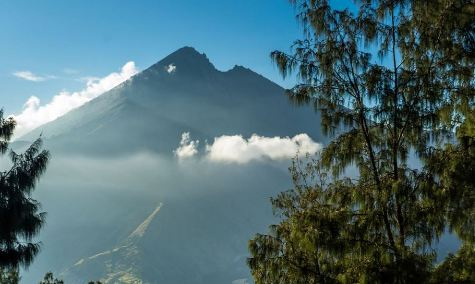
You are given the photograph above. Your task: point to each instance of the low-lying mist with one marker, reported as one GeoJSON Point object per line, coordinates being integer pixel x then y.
{"type": "Point", "coordinates": [209, 211]}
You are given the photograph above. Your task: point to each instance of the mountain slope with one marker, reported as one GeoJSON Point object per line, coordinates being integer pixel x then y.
{"type": "Point", "coordinates": [193, 97]}
{"type": "Point", "coordinates": [121, 264]}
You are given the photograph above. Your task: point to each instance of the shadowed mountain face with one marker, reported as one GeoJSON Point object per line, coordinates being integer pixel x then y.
{"type": "Point", "coordinates": [182, 92]}
{"type": "Point", "coordinates": [121, 264]}
{"type": "Point", "coordinates": [113, 161]}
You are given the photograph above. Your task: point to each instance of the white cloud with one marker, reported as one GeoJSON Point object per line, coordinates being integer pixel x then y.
{"type": "Point", "coordinates": [34, 114]}
{"type": "Point", "coordinates": [188, 148]}
{"type": "Point", "coordinates": [236, 149]}
{"type": "Point", "coordinates": [30, 76]}
{"type": "Point", "coordinates": [170, 68]}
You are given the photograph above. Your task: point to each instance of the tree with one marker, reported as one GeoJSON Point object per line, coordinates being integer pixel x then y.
{"type": "Point", "coordinates": [379, 227]}
{"type": "Point", "coordinates": [459, 268]}
{"type": "Point", "coordinates": [20, 219]}
{"type": "Point", "coordinates": [9, 276]}
{"type": "Point", "coordinates": [50, 279]}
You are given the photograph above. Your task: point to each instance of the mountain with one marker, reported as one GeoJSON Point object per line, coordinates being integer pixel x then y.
{"type": "Point", "coordinates": [112, 161]}
{"type": "Point", "coordinates": [160, 104]}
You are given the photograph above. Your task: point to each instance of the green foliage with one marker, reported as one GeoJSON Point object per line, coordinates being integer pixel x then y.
{"type": "Point", "coordinates": [9, 276]}
{"type": "Point", "coordinates": [333, 232]}
{"type": "Point", "coordinates": [50, 279]}
{"type": "Point", "coordinates": [413, 98]}
{"type": "Point", "coordinates": [459, 268]}
{"type": "Point", "coordinates": [6, 131]}
{"type": "Point", "coordinates": [20, 220]}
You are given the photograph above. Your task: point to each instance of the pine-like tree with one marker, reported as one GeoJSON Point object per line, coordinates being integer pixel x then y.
{"type": "Point", "coordinates": [397, 76]}
{"type": "Point", "coordinates": [9, 276]}
{"type": "Point", "coordinates": [50, 279]}
{"type": "Point", "coordinates": [20, 219]}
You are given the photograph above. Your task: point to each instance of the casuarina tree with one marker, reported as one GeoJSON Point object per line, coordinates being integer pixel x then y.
{"type": "Point", "coordinates": [20, 216]}
{"type": "Point", "coordinates": [393, 80]}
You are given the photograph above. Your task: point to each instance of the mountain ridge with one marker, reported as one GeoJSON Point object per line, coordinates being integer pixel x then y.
{"type": "Point", "coordinates": [193, 97]}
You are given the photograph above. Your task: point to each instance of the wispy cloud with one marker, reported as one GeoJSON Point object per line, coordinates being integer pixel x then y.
{"type": "Point", "coordinates": [70, 71]}
{"type": "Point", "coordinates": [34, 114]}
{"type": "Point", "coordinates": [170, 68]}
{"type": "Point", "coordinates": [30, 76]}
{"type": "Point", "coordinates": [187, 148]}
{"type": "Point", "coordinates": [239, 150]}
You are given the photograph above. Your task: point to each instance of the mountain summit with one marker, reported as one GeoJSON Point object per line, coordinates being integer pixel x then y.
{"type": "Point", "coordinates": [187, 60]}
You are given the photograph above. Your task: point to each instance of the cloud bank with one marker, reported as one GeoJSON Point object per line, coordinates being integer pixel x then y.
{"type": "Point", "coordinates": [30, 76]}
{"type": "Point", "coordinates": [237, 149]}
{"type": "Point", "coordinates": [34, 114]}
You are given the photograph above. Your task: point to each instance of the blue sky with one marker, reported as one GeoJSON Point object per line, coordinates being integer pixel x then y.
{"type": "Point", "coordinates": [67, 40]}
